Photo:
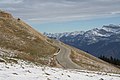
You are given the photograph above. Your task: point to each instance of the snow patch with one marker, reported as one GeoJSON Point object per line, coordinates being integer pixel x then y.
{"type": "Point", "coordinates": [28, 71]}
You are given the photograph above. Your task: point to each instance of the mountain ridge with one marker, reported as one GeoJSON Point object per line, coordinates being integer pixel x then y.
{"type": "Point", "coordinates": [102, 38]}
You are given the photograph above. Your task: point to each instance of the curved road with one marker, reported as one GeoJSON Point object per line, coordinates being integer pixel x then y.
{"type": "Point", "coordinates": [63, 57]}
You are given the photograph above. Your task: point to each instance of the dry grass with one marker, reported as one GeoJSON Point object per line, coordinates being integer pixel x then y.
{"type": "Point", "coordinates": [89, 62]}
{"type": "Point", "coordinates": [83, 61]}
{"type": "Point", "coordinates": [17, 35]}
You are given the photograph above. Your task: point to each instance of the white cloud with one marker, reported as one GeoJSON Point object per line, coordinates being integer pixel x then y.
{"type": "Point", "coordinates": [59, 10]}
{"type": "Point", "coordinates": [10, 1]}
{"type": "Point", "coordinates": [116, 12]}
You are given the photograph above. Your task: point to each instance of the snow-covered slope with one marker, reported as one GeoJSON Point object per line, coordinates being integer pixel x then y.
{"type": "Point", "coordinates": [28, 71]}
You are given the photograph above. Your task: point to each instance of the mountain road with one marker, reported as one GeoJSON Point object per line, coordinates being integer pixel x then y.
{"type": "Point", "coordinates": [63, 57]}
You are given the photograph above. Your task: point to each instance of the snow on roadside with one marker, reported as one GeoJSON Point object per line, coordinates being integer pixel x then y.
{"type": "Point", "coordinates": [28, 71]}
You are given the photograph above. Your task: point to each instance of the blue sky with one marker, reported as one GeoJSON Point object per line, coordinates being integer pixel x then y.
{"type": "Point", "coordinates": [76, 25]}
{"type": "Point", "coordinates": [64, 15]}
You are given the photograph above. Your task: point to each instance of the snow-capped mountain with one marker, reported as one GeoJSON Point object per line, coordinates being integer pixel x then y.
{"type": "Point", "coordinates": [104, 41]}
{"type": "Point", "coordinates": [95, 35]}
{"type": "Point", "coordinates": [105, 31]}
{"type": "Point", "coordinates": [112, 28]}
{"type": "Point", "coordinates": [59, 35]}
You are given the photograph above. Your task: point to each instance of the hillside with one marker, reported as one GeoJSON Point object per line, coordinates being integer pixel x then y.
{"type": "Point", "coordinates": [17, 39]}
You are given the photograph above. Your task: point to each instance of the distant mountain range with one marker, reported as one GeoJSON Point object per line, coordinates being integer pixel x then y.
{"type": "Point", "coordinates": [104, 41]}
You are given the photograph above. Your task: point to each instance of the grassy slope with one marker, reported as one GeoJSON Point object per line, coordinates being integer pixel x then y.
{"type": "Point", "coordinates": [17, 35]}
{"type": "Point", "coordinates": [89, 62]}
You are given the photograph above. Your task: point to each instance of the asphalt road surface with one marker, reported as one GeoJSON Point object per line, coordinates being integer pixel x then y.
{"type": "Point", "coordinates": [63, 57]}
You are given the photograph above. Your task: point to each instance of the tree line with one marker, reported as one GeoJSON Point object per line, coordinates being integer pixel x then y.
{"type": "Point", "coordinates": [111, 60]}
